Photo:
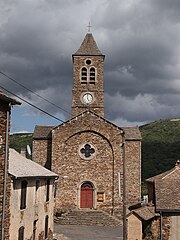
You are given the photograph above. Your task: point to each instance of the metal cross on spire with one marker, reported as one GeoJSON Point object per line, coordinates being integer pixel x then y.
{"type": "Point", "coordinates": [89, 27]}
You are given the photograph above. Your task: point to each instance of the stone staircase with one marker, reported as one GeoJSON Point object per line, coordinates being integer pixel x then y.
{"type": "Point", "coordinates": [87, 217]}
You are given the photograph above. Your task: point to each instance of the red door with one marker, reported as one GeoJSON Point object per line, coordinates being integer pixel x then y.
{"type": "Point", "coordinates": [87, 195]}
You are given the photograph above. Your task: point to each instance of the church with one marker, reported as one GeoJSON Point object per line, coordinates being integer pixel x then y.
{"type": "Point", "coordinates": [98, 162]}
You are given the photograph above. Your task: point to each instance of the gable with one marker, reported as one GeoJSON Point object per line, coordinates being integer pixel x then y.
{"type": "Point", "coordinates": [42, 132]}
{"type": "Point", "coordinates": [171, 174]}
{"type": "Point", "coordinates": [84, 120]}
{"type": "Point", "coordinates": [88, 121]}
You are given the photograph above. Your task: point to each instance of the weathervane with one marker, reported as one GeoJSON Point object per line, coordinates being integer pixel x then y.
{"type": "Point", "coordinates": [89, 27]}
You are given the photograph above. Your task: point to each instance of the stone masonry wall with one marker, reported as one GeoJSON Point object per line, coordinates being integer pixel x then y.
{"type": "Point", "coordinates": [3, 109]}
{"type": "Point", "coordinates": [101, 170]}
{"type": "Point", "coordinates": [42, 152]}
{"type": "Point", "coordinates": [68, 138]}
{"type": "Point", "coordinates": [153, 229]}
{"type": "Point", "coordinates": [133, 172]}
{"type": "Point", "coordinates": [96, 89]}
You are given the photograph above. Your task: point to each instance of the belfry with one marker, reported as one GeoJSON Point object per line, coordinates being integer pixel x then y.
{"type": "Point", "coordinates": [95, 159]}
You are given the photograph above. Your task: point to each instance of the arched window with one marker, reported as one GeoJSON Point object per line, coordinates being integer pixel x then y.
{"type": "Point", "coordinates": [92, 75]}
{"type": "Point", "coordinates": [21, 233]}
{"type": "Point", "coordinates": [23, 194]}
{"type": "Point", "coordinates": [84, 75]}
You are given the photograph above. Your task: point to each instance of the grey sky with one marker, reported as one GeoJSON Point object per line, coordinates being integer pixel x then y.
{"type": "Point", "coordinates": [141, 41]}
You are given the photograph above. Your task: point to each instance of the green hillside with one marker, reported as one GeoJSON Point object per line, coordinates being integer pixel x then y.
{"type": "Point", "coordinates": [160, 146]}
{"type": "Point", "coordinates": [19, 141]}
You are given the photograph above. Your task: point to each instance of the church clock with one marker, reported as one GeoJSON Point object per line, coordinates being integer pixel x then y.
{"type": "Point", "coordinates": [87, 98]}
{"type": "Point", "coordinates": [88, 83]}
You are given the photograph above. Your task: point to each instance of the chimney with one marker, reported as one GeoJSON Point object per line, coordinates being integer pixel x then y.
{"type": "Point", "coordinates": [178, 164]}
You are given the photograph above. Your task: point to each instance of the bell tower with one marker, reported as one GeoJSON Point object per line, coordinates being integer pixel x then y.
{"type": "Point", "coordinates": [88, 83]}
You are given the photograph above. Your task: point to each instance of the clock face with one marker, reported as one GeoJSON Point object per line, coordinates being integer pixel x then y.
{"type": "Point", "coordinates": [87, 98]}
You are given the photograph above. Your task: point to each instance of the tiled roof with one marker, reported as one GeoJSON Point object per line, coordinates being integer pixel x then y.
{"type": "Point", "coordinates": [88, 46]}
{"type": "Point", "coordinates": [167, 189]}
{"type": "Point", "coordinates": [42, 132]}
{"type": "Point", "coordinates": [145, 212]}
{"type": "Point", "coordinates": [132, 133]}
{"type": "Point", "coordinates": [21, 167]}
{"type": "Point", "coordinates": [167, 195]}
{"type": "Point", "coordinates": [5, 98]}
{"type": "Point", "coordinates": [173, 173]}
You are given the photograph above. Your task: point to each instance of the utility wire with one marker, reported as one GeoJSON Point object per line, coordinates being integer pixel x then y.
{"type": "Point", "coordinates": [12, 79]}
{"type": "Point", "coordinates": [32, 105]}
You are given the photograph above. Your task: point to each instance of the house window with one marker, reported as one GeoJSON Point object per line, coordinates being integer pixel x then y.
{"type": "Point", "coordinates": [55, 188]}
{"type": "Point", "coordinates": [23, 194]}
{"type": "Point", "coordinates": [21, 233]}
{"type": "Point", "coordinates": [84, 75]}
{"type": "Point", "coordinates": [37, 185]}
{"type": "Point", "coordinates": [46, 227]}
{"type": "Point", "coordinates": [47, 190]}
{"type": "Point", "coordinates": [36, 194]}
{"type": "Point", "coordinates": [92, 75]}
{"type": "Point", "coordinates": [34, 230]}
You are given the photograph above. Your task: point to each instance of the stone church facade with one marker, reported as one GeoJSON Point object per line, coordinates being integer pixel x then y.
{"type": "Point", "coordinates": [98, 163]}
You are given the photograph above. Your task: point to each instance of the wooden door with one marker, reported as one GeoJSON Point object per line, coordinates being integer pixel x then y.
{"type": "Point", "coordinates": [87, 195]}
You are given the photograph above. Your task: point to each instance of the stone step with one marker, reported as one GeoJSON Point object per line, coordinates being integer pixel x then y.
{"type": "Point", "coordinates": [87, 217]}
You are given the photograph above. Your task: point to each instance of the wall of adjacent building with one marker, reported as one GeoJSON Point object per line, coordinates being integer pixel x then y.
{"type": "Point", "coordinates": [3, 116]}
{"type": "Point", "coordinates": [134, 228]}
{"type": "Point", "coordinates": [133, 172]}
{"type": "Point", "coordinates": [36, 209]}
{"type": "Point", "coordinates": [42, 152]}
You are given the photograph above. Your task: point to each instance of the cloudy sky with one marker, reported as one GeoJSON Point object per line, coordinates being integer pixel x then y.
{"type": "Point", "coordinates": [141, 41]}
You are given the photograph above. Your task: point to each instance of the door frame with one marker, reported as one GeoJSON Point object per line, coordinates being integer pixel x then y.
{"type": "Point", "coordinates": [94, 201]}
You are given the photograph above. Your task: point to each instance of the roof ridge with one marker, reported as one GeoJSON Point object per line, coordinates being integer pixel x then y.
{"type": "Point", "coordinates": [173, 170]}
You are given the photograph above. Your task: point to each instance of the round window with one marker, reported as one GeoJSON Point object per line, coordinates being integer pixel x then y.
{"type": "Point", "coordinates": [87, 151]}
{"type": "Point", "coordinates": [88, 61]}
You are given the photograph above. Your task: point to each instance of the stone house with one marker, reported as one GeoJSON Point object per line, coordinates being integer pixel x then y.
{"type": "Point", "coordinates": [98, 162]}
{"type": "Point", "coordinates": [164, 192]}
{"type": "Point", "coordinates": [139, 220]}
{"type": "Point", "coordinates": [5, 111]}
{"type": "Point", "coordinates": [163, 218]}
{"type": "Point", "coordinates": [31, 199]}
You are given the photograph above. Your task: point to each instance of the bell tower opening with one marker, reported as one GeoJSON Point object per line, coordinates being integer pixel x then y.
{"type": "Point", "coordinates": [88, 82]}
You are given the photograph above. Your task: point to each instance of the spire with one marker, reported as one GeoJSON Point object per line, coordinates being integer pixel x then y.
{"type": "Point", "coordinates": [88, 47]}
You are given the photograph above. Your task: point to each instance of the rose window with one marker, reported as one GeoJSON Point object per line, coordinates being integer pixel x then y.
{"type": "Point", "coordinates": [87, 151]}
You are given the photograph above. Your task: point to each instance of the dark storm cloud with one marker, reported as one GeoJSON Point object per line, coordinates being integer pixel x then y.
{"type": "Point", "coordinates": [141, 41]}
{"type": "Point", "coordinates": [143, 58]}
